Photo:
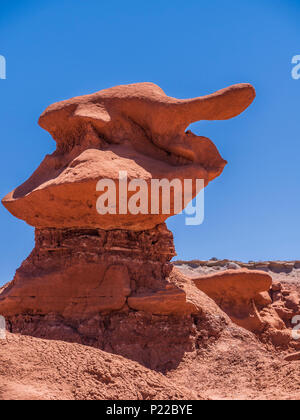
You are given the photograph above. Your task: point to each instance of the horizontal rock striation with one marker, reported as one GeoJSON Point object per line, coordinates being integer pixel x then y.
{"type": "Point", "coordinates": [81, 272]}
{"type": "Point", "coordinates": [101, 276]}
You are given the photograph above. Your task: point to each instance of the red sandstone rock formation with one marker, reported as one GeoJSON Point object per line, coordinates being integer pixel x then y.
{"type": "Point", "coordinates": [273, 314]}
{"type": "Point", "coordinates": [106, 280]}
{"type": "Point", "coordinates": [75, 372]}
{"type": "Point", "coordinates": [135, 128]}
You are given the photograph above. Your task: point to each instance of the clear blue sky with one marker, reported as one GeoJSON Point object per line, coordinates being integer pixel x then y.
{"type": "Point", "coordinates": [62, 48]}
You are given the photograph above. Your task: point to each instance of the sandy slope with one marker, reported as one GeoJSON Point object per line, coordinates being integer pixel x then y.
{"type": "Point", "coordinates": [35, 369]}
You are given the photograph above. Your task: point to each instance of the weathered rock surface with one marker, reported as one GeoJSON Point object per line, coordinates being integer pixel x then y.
{"type": "Point", "coordinates": [106, 281]}
{"type": "Point", "coordinates": [244, 295]}
{"type": "Point", "coordinates": [232, 286]}
{"type": "Point", "coordinates": [114, 290]}
{"type": "Point", "coordinates": [295, 357]}
{"type": "Point", "coordinates": [156, 336]}
{"type": "Point", "coordinates": [226, 363]}
{"type": "Point", "coordinates": [135, 128]}
{"type": "Point", "coordinates": [79, 273]}
{"type": "Point", "coordinates": [85, 263]}
{"type": "Point", "coordinates": [75, 372]}
{"type": "Point", "coordinates": [164, 302]}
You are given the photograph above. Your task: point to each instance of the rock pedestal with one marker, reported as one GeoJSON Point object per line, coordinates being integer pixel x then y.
{"type": "Point", "coordinates": [79, 273]}
{"type": "Point", "coordinates": [105, 279]}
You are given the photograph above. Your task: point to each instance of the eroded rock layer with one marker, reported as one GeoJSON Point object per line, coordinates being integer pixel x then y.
{"type": "Point", "coordinates": [76, 273]}
{"type": "Point", "coordinates": [134, 128]}
{"type": "Point", "coordinates": [114, 290]}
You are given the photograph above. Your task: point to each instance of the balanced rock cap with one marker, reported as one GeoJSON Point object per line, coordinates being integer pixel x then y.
{"type": "Point", "coordinates": [134, 128]}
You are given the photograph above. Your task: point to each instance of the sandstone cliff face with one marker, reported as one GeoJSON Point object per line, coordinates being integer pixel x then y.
{"type": "Point", "coordinates": [266, 302]}
{"type": "Point", "coordinates": [79, 273]}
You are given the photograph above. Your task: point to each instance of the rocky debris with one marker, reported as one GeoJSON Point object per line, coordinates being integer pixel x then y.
{"type": "Point", "coordinates": [113, 290]}
{"type": "Point", "coordinates": [233, 266]}
{"type": "Point", "coordinates": [234, 285]}
{"type": "Point", "coordinates": [77, 274]}
{"type": "Point", "coordinates": [86, 264]}
{"type": "Point", "coordinates": [295, 357]}
{"type": "Point", "coordinates": [272, 266]}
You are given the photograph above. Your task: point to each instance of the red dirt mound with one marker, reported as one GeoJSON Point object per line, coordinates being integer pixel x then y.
{"type": "Point", "coordinates": [35, 369]}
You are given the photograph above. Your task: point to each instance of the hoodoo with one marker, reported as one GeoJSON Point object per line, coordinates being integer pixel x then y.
{"type": "Point", "coordinates": [106, 279]}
